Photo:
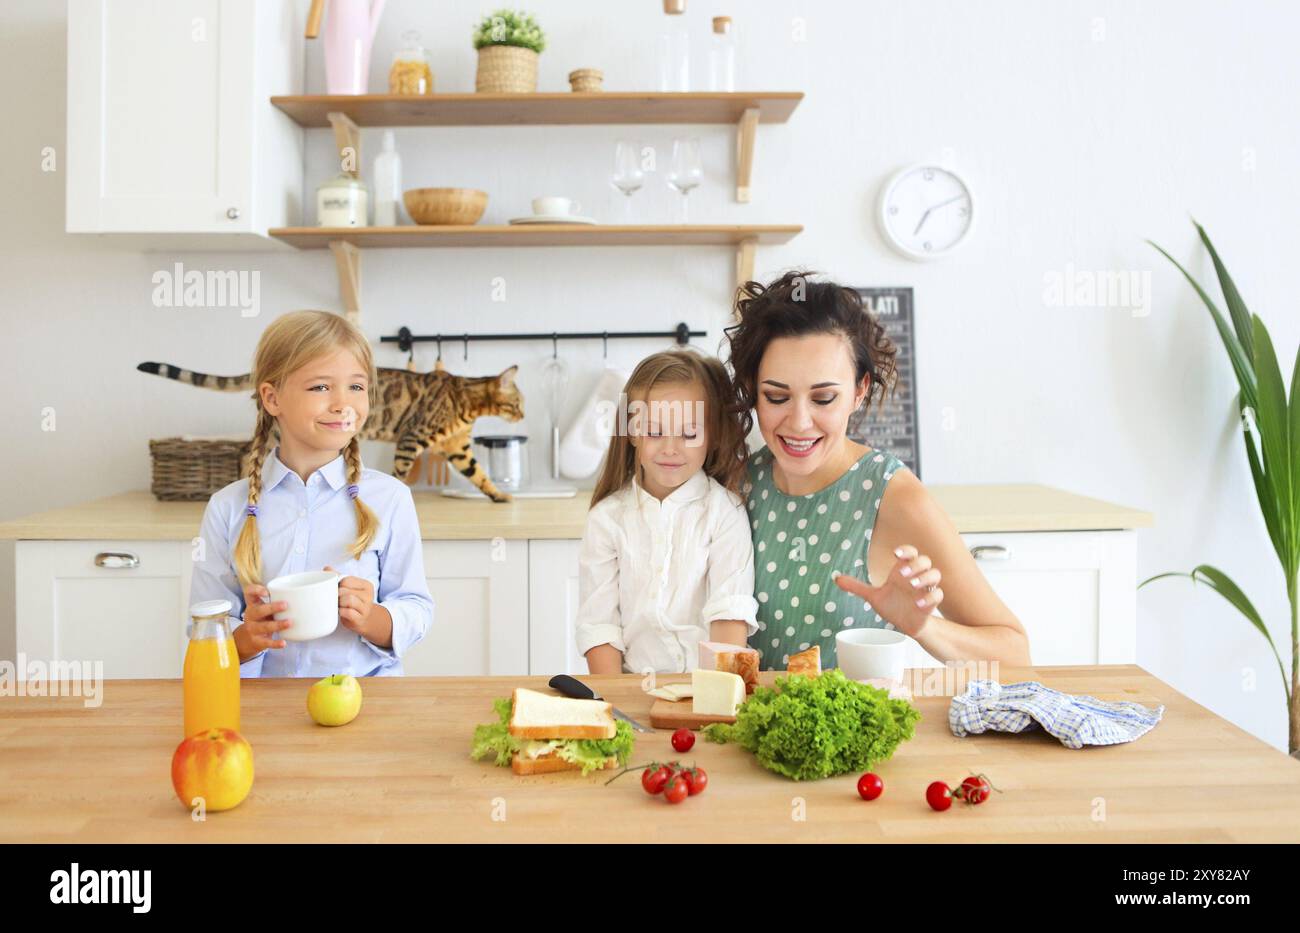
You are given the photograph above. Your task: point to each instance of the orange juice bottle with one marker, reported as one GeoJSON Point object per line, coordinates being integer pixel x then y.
{"type": "Point", "coordinates": [211, 675]}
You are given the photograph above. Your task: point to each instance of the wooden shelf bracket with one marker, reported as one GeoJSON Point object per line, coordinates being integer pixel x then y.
{"type": "Point", "coordinates": [746, 131]}
{"type": "Point", "coordinates": [745, 260]}
{"type": "Point", "coordinates": [347, 137]}
{"type": "Point", "coordinates": [347, 260]}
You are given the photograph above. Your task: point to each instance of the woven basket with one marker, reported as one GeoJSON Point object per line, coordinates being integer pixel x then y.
{"type": "Point", "coordinates": [506, 69]}
{"type": "Point", "coordinates": [191, 469]}
{"type": "Point", "coordinates": [586, 80]}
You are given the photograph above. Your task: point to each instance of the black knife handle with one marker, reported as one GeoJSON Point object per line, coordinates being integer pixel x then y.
{"type": "Point", "coordinates": [572, 687]}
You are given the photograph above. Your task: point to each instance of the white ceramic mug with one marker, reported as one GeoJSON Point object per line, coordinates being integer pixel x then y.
{"type": "Point", "coordinates": [868, 653]}
{"type": "Point", "coordinates": [313, 599]}
{"type": "Point", "coordinates": [553, 206]}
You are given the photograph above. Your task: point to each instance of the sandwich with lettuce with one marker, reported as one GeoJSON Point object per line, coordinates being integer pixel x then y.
{"type": "Point", "coordinates": [538, 733]}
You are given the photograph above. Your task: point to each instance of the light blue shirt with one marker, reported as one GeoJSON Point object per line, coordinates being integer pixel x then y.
{"type": "Point", "coordinates": [304, 526]}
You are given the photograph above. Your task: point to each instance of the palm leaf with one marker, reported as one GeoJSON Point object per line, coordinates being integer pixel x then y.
{"type": "Point", "coordinates": [1241, 364]}
{"type": "Point", "coordinates": [1236, 307]}
{"type": "Point", "coordinates": [1220, 582]}
{"type": "Point", "coordinates": [1275, 434]}
{"type": "Point", "coordinates": [1264, 491]}
{"type": "Point", "coordinates": [1295, 472]}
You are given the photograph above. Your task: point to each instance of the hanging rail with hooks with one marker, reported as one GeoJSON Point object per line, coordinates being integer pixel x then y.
{"type": "Point", "coordinates": [406, 340]}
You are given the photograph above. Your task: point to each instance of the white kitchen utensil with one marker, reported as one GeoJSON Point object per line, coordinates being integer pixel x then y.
{"type": "Point", "coordinates": [554, 379]}
{"type": "Point", "coordinates": [584, 444]}
{"type": "Point", "coordinates": [313, 599]}
{"type": "Point", "coordinates": [552, 219]}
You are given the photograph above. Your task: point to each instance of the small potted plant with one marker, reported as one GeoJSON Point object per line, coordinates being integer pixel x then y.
{"type": "Point", "coordinates": [508, 43]}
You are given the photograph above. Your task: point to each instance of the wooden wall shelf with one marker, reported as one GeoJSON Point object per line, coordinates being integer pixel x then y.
{"type": "Point", "coordinates": [606, 107]}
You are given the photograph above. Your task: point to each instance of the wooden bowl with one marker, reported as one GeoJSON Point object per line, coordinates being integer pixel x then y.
{"type": "Point", "coordinates": [445, 205]}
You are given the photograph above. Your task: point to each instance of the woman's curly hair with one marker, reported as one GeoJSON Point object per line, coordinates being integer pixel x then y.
{"type": "Point", "coordinates": [795, 306]}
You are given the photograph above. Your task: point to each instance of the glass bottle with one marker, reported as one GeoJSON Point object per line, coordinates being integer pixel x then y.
{"type": "Point", "coordinates": [410, 73]}
{"type": "Point", "coordinates": [211, 671]}
{"type": "Point", "coordinates": [722, 56]}
{"type": "Point", "coordinates": [674, 53]}
{"type": "Point", "coordinates": [388, 184]}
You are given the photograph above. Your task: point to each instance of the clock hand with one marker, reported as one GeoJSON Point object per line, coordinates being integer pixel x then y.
{"type": "Point", "coordinates": [934, 208]}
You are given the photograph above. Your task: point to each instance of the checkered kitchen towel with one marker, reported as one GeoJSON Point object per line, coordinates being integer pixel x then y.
{"type": "Point", "coordinates": [1075, 720]}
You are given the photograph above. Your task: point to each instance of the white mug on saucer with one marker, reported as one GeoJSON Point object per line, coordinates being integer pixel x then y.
{"type": "Point", "coordinates": [313, 599]}
{"type": "Point", "coordinates": [869, 653]}
{"type": "Point", "coordinates": [555, 206]}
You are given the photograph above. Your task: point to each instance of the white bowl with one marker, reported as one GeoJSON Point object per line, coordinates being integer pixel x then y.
{"type": "Point", "coordinates": [868, 653]}
{"type": "Point", "coordinates": [313, 599]}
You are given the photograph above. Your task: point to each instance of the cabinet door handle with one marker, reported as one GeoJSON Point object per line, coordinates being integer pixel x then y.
{"type": "Point", "coordinates": [232, 213]}
{"type": "Point", "coordinates": [114, 560]}
{"type": "Point", "coordinates": [990, 552]}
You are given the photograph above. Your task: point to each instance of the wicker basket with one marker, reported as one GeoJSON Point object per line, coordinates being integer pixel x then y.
{"type": "Point", "coordinates": [192, 469]}
{"type": "Point", "coordinates": [586, 80]}
{"type": "Point", "coordinates": [506, 69]}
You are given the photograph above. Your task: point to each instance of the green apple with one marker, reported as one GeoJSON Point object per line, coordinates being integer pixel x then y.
{"type": "Point", "coordinates": [334, 700]}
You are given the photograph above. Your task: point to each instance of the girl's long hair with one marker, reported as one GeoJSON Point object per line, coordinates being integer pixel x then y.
{"type": "Point", "coordinates": [290, 342]}
{"type": "Point", "coordinates": [725, 461]}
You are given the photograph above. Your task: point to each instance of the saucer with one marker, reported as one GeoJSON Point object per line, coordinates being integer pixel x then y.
{"type": "Point", "coordinates": [553, 219]}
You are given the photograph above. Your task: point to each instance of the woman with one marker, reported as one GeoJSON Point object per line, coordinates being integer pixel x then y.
{"type": "Point", "coordinates": [826, 511]}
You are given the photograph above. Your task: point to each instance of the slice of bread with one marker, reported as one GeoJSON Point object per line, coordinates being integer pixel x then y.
{"type": "Point", "coordinates": [543, 716]}
{"type": "Point", "coordinates": [549, 763]}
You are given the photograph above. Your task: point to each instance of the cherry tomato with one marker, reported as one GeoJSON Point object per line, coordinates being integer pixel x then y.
{"type": "Point", "coordinates": [938, 796]}
{"type": "Point", "coordinates": [696, 780]}
{"type": "Point", "coordinates": [975, 789]}
{"type": "Point", "coordinates": [677, 789]}
{"type": "Point", "coordinates": [683, 739]}
{"type": "Point", "coordinates": [653, 779]}
{"type": "Point", "coordinates": [870, 786]}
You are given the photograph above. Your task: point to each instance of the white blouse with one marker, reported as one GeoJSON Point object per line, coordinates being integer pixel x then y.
{"type": "Point", "coordinates": [653, 575]}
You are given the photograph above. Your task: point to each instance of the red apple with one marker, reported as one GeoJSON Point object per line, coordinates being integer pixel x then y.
{"type": "Point", "coordinates": [216, 765]}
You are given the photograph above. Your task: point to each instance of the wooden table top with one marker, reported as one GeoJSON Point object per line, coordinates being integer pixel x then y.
{"type": "Point", "coordinates": [401, 772]}
{"type": "Point", "coordinates": [138, 516]}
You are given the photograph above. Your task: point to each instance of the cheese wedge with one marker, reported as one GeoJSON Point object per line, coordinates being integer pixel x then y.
{"type": "Point", "coordinates": [680, 691]}
{"type": "Point", "coordinates": [716, 693]}
{"type": "Point", "coordinates": [735, 659]}
{"type": "Point", "coordinates": [663, 694]}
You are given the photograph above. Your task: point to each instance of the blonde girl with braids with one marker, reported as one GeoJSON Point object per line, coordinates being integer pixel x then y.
{"type": "Point", "coordinates": [666, 560]}
{"type": "Point", "coordinates": [307, 503]}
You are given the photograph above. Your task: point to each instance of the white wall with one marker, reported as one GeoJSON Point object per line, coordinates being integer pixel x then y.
{"type": "Point", "coordinates": [1085, 127]}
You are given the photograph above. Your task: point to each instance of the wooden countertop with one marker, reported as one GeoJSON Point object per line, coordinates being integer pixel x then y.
{"type": "Point", "coordinates": [139, 516]}
{"type": "Point", "coordinates": [401, 772]}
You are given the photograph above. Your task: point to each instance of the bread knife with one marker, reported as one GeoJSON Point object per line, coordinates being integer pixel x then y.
{"type": "Point", "coordinates": [575, 689]}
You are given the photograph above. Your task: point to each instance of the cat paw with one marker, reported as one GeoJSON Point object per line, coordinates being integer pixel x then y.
{"type": "Point", "coordinates": [501, 497]}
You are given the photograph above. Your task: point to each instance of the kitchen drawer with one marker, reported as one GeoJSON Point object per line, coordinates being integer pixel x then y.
{"type": "Point", "coordinates": [122, 603]}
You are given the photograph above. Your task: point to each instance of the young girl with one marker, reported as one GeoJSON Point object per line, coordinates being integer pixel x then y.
{"type": "Point", "coordinates": [308, 504]}
{"type": "Point", "coordinates": [667, 559]}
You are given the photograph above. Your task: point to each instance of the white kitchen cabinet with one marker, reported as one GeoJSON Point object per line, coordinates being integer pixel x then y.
{"type": "Point", "coordinates": [480, 610]}
{"type": "Point", "coordinates": [1075, 593]}
{"type": "Point", "coordinates": [170, 125]}
{"type": "Point", "coordinates": [125, 604]}
{"type": "Point", "coordinates": [553, 608]}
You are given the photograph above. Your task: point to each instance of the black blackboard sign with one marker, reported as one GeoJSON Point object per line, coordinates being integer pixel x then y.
{"type": "Point", "coordinates": [892, 426]}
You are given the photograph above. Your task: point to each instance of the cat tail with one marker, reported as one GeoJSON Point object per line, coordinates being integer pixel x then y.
{"type": "Point", "coordinates": [242, 383]}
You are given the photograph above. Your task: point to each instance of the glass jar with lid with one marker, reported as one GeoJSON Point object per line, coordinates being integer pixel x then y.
{"type": "Point", "coordinates": [411, 72]}
{"type": "Point", "coordinates": [342, 202]}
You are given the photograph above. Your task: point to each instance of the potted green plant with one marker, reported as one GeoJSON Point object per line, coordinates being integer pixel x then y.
{"type": "Point", "coordinates": [1271, 432]}
{"type": "Point", "coordinates": [508, 43]}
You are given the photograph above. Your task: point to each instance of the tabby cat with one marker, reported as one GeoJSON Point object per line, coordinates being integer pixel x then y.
{"type": "Point", "coordinates": [420, 411]}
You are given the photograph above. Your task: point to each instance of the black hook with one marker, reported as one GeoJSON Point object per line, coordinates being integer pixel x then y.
{"type": "Point", "coordinates": [467, 348]}
{"type": "Point", "coordinates": [440, 348]}
{"type": "Point", "coordinates": [604, 344]}
{"type": "Point", "coordinates": [555, 345]}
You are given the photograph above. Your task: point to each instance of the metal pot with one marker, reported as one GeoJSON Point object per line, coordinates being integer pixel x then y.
{"type": "Point", "coordinates": [505, 458]}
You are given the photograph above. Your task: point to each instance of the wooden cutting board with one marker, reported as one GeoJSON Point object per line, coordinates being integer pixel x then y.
{"type": "Point", "coordinates": [666, 714]}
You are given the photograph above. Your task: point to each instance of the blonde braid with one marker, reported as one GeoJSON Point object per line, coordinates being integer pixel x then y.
{"type": "Point", "coordinates": [367, 521]}
{"type": "Point", "coordinates": [248, 548]}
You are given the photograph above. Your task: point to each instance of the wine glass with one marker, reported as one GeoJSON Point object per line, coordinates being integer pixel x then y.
{"type": "Point", "coordinates": [686, 171]}
{"type": "Point", "coordinates": [627, 176]}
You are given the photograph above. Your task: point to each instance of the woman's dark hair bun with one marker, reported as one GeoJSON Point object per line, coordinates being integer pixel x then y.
{"type": "Point", "coordinates": [795, 305]}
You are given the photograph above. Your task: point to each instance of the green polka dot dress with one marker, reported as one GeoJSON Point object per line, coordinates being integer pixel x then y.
{"type": "Point", "coordinates": [801, 543]}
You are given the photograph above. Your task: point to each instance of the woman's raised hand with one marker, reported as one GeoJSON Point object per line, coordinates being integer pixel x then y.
{"type": "Point", "coordinates": [909, 594]}
{"type": "Point", "coordinates": [260, 625]}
